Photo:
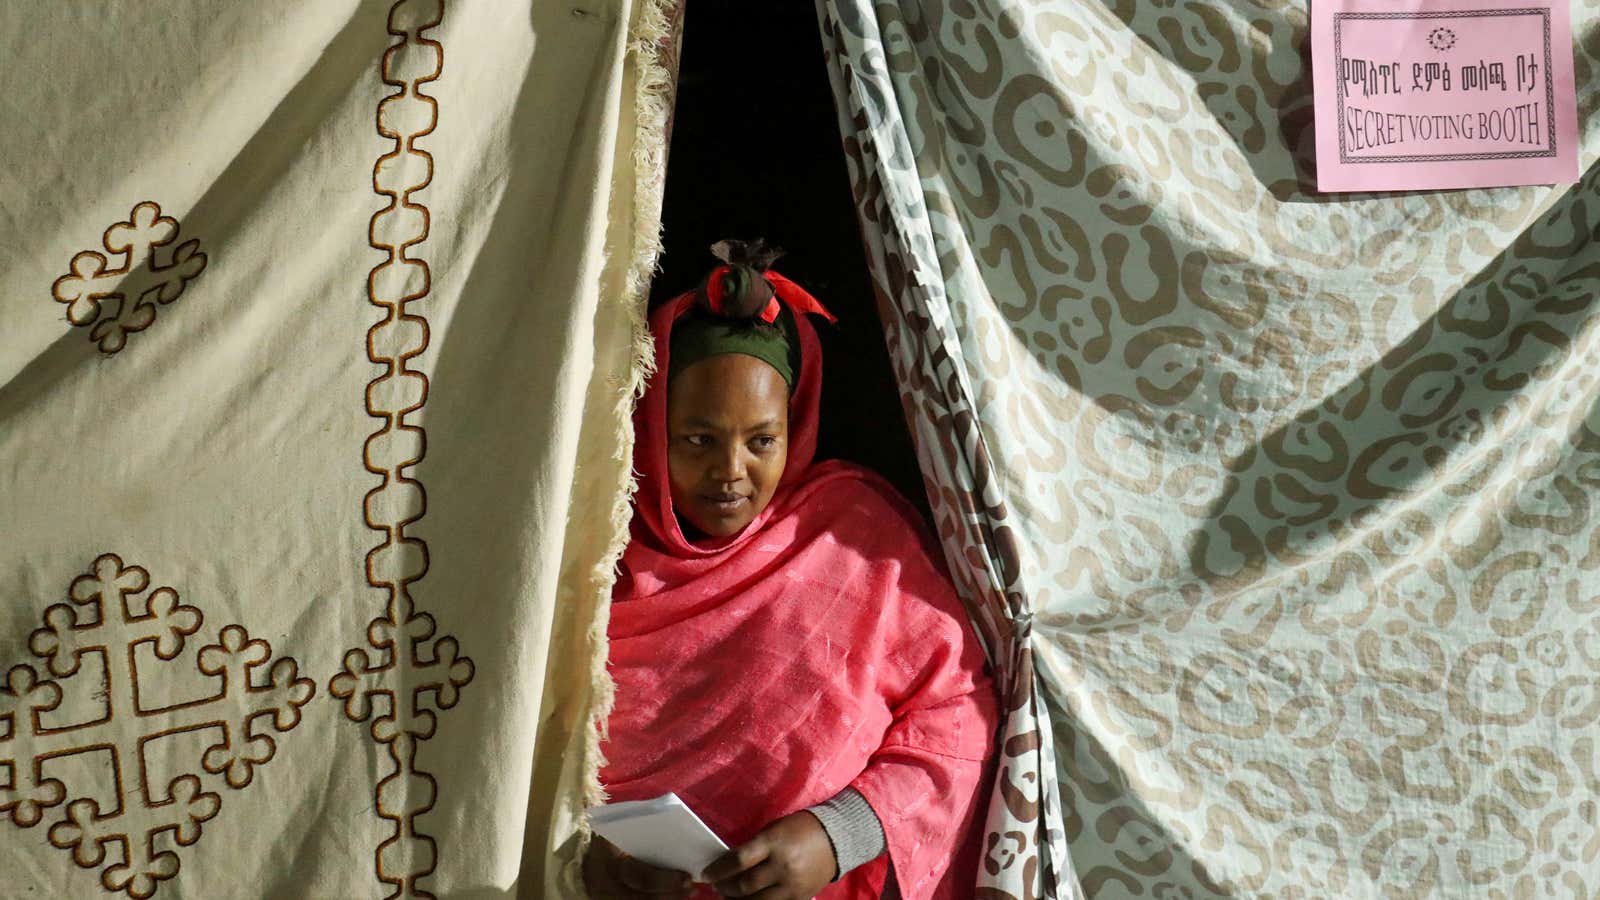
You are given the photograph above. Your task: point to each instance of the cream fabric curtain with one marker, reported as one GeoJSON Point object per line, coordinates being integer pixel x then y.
{"type": "Point", "coordinates": [322, 326]}
{"type": "Point", "coordinates": [1289, 497]}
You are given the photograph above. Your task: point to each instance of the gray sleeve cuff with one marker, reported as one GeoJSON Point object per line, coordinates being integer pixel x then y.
{"type": "Point", "coordinates": [852, 827]}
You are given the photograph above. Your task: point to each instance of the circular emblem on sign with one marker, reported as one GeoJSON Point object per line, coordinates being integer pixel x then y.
{"type": "Point", "coordinates": [1441, 39]}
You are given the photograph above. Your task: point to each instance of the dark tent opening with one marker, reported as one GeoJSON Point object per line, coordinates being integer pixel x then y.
{"type": "Point", "coordinates": [755, 152]}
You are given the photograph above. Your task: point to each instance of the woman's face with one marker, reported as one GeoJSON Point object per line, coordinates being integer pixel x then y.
{"type": "Point", "coordinates": [727, 441]}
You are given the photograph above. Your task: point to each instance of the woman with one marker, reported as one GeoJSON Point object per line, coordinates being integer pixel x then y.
{"type": "Point", "coordinates": [789, 655]}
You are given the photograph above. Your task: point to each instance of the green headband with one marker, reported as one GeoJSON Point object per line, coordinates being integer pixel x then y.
{"type": "Point", "coordinates": [698, 336]}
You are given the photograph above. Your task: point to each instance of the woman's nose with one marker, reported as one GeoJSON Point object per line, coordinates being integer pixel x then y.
{"type": "Point", "coordinates": [729, 467]}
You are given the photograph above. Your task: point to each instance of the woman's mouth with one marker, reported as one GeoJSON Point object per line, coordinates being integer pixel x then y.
{"type": "Point", "coordinates": [724, 504]}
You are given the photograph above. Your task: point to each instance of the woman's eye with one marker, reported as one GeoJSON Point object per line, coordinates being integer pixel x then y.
{"type": "Point", "coordinates": [765, 442]}
{"type": "Point", "coordinates": [697, 440]}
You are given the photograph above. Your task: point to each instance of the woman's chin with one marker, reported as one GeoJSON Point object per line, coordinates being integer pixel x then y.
{"type": "Point", "coordinates": [701, 517]}
{"type": "Point", "coordinates": [721, 528]}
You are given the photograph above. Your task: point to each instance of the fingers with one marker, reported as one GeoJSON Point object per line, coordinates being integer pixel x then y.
{"type": "Point", "coordinates": [610, 874]}
{"type": "Point", "coordinates": [651, 880]}
{"type": "Point", "coordinates": [737, 860]}
{"type": "Point", "coordinates": [752, 882]}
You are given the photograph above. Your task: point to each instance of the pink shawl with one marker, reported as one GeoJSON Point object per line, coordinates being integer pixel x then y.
{"type": "Point", "coordinates": [821, 647]}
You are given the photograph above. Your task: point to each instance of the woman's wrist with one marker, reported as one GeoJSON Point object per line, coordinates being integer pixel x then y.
{"type": "Point", "coordinates": [853, 828]}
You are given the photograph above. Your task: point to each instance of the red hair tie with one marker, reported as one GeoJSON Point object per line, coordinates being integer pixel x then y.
{"type": "Point", "coordinates": [714, 289]}
{"type": "Point", "coordinates": [798, 298]}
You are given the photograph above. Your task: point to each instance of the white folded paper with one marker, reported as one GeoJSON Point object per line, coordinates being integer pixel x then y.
{"type": "Point", "coordinates": [663, 832]}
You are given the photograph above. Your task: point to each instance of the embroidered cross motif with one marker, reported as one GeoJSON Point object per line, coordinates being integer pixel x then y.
{"type": "Point", "coordinates": [78, 726]}
{"type": "Point", "coordinates": [393, 693]}
{"type": "Point", "coordinates": [115, 302]}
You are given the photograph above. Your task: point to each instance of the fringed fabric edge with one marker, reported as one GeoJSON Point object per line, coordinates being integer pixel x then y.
{"type": "Point", "coordinates": [649, 37]}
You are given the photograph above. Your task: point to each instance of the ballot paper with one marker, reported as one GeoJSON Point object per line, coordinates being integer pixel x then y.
{"type": "Point", "coordinates": [662, 832]}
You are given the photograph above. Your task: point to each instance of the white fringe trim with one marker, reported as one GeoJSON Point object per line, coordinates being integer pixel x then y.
{"type": "Point", "coordinates": [653, 96]}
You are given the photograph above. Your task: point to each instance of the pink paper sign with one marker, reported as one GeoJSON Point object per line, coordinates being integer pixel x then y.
{"type": "Point", "coordinates": [1443, 94]}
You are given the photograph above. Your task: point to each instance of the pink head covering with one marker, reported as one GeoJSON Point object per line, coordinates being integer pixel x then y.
{"type": "Point", "coordinates": [654, 520]}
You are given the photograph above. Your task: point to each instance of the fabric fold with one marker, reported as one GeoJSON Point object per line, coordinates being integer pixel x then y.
{"type": "Point", "coordinates": [1272, 506]}
{"type": "Point", "coordinates": [341, 313]}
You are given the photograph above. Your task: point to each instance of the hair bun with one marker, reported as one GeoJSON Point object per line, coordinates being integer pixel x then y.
{"type": "Point", "coordinates": [743, 291]}
{"type": "Point", "coordinates": [753, 253]}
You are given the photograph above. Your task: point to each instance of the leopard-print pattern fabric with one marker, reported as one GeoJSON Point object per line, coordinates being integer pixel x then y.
{"type": "Point", "coordinates": [1281, 501]}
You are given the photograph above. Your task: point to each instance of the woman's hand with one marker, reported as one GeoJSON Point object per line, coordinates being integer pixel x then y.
{"type": "Point", "coordinates": [791, 859]}
{"type": "Point", "coordinates": [610, 874]}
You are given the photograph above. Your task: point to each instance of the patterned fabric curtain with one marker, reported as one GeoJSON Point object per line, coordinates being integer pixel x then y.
{"type": "Point", "coordinates": [1283, 501]}
{"type": "Point", "coordinates": [322, 328]}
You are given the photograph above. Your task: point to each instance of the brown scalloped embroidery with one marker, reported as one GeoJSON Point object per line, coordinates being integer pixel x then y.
{"type": "Point", "coordinates": [131, 821]}
{"type": "Point", "coordinates": [116, 302]}
{"type": "Point", "coordinates": [390, 682]}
